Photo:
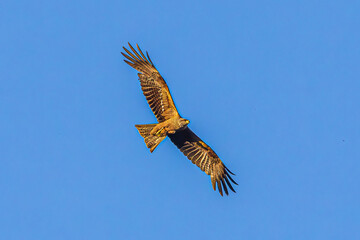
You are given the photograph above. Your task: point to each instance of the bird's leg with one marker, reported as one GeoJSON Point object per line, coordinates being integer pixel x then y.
{"type": "Point", "coordinates": [158, 133]}
{"type": "Point", "coordinates": [162, 129]}
{"type": "Point", "coordinates": [158, 130]}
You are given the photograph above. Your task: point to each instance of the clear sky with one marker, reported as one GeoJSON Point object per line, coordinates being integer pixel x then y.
{"type": "Point", "coordinates": [272, 86]}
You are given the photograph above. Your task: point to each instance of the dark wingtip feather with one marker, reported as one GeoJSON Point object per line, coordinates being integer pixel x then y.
{"type": "Point", "coordinates": [224, 186]}
{"type": "Point", "coordinates": [147, 54]}
{"type": "Point", "coordinates": [229, 170]}
{"type": "Point", "coordinates": [142, 54]}
{"type": "Point", "coordinates": [132, 55]}
{"type": "Point", "coordinates": [229, 184]}
{"type": "Point", "coordinates": [219, 187]}
{"type": "Point", "coordinates": [126, 50]}
{"type": "Point", "coordinates": [128, 57]}
{"type": "Point", "coordinates": [227, 174]}
{"type": "Point", "coordinates": [213, 183]}
{"type": "Point", "coordinates": [136, 53]}
{"type": "Point", "coordinates": [130, 63]}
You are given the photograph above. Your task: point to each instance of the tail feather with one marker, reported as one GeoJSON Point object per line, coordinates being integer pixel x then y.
{"type": "Point", "coordinates": [151, 141]}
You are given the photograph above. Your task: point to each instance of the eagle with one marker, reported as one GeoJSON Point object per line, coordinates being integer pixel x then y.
{"type": "Point", "coordinates": [171, 124]}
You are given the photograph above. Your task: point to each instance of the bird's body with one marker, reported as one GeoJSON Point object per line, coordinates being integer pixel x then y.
{"type": "Point", "coordinates": [155, 133]}
{"type": "Point", "coordinates": [171, 124]}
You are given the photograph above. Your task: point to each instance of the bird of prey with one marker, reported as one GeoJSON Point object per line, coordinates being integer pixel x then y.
{"type": "Point", "coordinates": [171, 124]}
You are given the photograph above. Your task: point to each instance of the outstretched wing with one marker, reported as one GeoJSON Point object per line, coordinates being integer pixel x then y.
{"type": "Point", "coordinates": [152, 84]}
{"type": "Point", "coordinates": [204, 157]}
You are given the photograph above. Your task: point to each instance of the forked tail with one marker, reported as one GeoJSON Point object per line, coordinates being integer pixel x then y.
{"type": "Point", "coordinates": [151, 141]}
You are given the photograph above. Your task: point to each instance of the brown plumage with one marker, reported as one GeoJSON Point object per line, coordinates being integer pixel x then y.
{"type": "Point", "coordinates": [171, 124]}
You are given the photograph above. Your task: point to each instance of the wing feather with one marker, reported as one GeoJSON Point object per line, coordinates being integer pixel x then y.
{"type": "Point", "coordinates": [147, 54]}
{"type": "Point", "coordinates": [152, 84]}
{"type": "Point", "coordinates": [205, 158]}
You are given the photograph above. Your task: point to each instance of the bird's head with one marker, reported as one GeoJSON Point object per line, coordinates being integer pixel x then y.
{"type": "Point", "coordinates": [184, 122]}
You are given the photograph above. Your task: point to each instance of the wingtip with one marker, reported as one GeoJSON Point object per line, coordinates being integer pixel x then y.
{"type": "Point", "coordinates": [213, 183]}
{"type": "Point", "coordinates": [219, 187]}
{"type": "Point", "coordinates": [232, 180]}
{"type": "Point", "coordinates": [147, 54]}
{"type": "Point", "coordinates": [229, 184]}
{"type": "Point", "coordinates": [229, 171]}
{"type": "Point", "coordinates": [224, 186]}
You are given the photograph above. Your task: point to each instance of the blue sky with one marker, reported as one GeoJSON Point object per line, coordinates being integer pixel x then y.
{"type": "Point", "coordinates": [273, 87]}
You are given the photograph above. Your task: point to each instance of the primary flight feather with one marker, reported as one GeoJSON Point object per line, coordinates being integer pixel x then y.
{"type": "Point", "coordinates": [171, 124]}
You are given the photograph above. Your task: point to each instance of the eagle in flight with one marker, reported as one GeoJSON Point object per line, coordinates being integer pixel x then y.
{"type": "Point", "coordinates": [171, 124]}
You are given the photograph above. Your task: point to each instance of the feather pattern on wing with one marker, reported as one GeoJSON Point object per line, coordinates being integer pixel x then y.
{"type": "Point", "coordinates": [153, 85]}
{"type": "Point", "coordinates": [204, 157]}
